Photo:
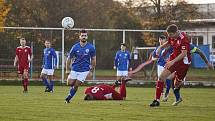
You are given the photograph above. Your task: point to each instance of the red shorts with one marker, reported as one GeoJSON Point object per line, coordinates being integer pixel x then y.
{"type": "Point", "coordinates": [21, 69]}
{"type": "Point", "coordinates": [180, 69]}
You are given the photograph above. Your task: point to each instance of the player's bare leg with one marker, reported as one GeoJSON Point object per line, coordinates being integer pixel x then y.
{"type": "Point", "coordinates": [73, 89]}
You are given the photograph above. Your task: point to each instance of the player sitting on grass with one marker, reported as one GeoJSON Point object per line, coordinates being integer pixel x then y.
{"type": "Point", "coordinates": [49, 64]}
{"type": "Point", "coordinates": [105, 92]}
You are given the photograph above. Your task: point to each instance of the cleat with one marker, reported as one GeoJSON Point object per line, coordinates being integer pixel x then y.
{"type": "Point", "coordinates": [47, 90]}
{"type": "Point", "coordinates": [25, 91]}
{"type": "Point", "coordinates": [66, 101]}
{"type": "Point", "coordinates": [165, 98]}
{"type": "Point", "coordinates": [155, 103]}
{"type": "Point", "coordinates": [117, 83]}
{"type": "Point", "coordinates": [177, 102]}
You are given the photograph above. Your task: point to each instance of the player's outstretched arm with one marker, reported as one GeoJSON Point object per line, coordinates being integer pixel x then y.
{"type": "Point", "coordinates": [178, 58]}
{"type": "Point", "coordinates": [165, 45]}
{"type": "Point", "coordinates": [198, 51]}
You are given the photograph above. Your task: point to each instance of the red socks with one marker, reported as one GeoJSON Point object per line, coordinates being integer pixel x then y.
{"type": "Point", "coordinates": [159, 89]}
{"type": "Point", "coordinates": [25, 84]}
{"type": "Point", "coordinates": [122, 89]}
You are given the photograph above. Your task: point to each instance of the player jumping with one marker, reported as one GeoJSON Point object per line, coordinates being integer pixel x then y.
{"type": "Point", "coordinates": [178, 63]}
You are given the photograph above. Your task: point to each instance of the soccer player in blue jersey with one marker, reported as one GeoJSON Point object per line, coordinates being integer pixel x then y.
{"type": "Point", "coordinates": [81, 60]}
{"type": "Point", "coordinates": [49, 64]}
{"type": "Point", "coordinates": [121, 63]}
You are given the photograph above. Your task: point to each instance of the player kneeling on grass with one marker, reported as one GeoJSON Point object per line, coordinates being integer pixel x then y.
{"type": "Point", "coordinates": [23, 58]}
{"type": "Point", "coordinates": [105, 92]}
{"type": "Point", "coordinates": [82, 59]}
{"type": "Point", "coordinates": [121, 63]}
{"type": "Point", "coordinates": [49, 64]}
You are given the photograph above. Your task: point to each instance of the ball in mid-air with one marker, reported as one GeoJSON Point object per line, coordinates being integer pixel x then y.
{"type": "Point", "coordinates": [67, 23]}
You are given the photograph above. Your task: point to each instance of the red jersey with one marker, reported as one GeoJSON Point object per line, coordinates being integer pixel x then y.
{"type": "Point", "coordinates": [103, 92]}
{"type": "Point", "coordinates": [23, 54]}
{"type": "Point", "coordinates": [179, 44]}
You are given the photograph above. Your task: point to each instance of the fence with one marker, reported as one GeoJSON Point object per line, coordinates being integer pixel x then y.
{"type": "Point", "coordinates": [107, 42]}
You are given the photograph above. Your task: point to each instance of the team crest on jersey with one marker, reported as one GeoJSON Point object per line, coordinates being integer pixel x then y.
{"type": "Point", "coordinates": [77, 51]}
{"type": "Point", "coordinates": [49, 52]}
{"type": "Point", "coordinates": [87, 50]}
{"type": "Point", "coordinates": [126, 54]}
{"type": "Point", "coordinates": [25, 50]}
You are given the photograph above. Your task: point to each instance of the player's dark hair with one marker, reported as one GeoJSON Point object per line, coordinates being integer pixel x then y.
{"type": "Point", "coordinates": [48, 40]}
{"type": "Point", "coordinates": [162, 37]}
{"type": "Point", "coordinates": [172, 28]}
{"type": "Point", "coordinates": [123, 44]}
{"type": "Point", "coordinates": [88, 97]}
{"type": "Point", "coordinates": [82, 31]}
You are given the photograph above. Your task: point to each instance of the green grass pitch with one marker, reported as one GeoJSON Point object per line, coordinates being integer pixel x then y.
{"type": "Point", "coordinates": [198, 105]}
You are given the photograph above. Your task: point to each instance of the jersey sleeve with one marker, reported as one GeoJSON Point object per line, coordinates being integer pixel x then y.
{"type": "Point", "coordinates": [55, 57]}
{"type": "Point", "coordinates": [71, 52]}
{"type": "Point", "coordinates": [116, 59]}
{"type": "Point", "coordinates": [16, 51]}
{"type": "Point", "coordinates": [43, 55]}
{"type": "Point", "coordinates": [93, 52]}
{"type": "Point", "coordinates": [29, 51]}
{"type": "Point", "coordinates": [185, 45]}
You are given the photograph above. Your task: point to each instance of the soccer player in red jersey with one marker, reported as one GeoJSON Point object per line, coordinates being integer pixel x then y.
{"type": "Point", "coordinates": [23, 58]}
{"type": "Point", "coordinates": [105, 92]}
{"type": "Point", "coordinates": [178, 63]}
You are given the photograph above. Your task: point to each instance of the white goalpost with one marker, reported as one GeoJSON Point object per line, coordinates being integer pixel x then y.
{"type": "Point", "coordinates": [123, 31]}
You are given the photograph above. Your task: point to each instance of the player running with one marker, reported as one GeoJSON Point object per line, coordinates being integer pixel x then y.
{"type": "Point", "coordinates": [23, 58]}
{"type": "Point", "coordinates": [178, 63]}
{"type": "Point", "coordinates": [121, 63]}
{"type": "Point", "coordinates": [82, 59]}
{"type": "Point", "coordinates": [49, 64]}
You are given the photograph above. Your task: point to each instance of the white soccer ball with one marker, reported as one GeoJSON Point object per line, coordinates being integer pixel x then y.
{"type": "Point", "coordinates": [67, 23]}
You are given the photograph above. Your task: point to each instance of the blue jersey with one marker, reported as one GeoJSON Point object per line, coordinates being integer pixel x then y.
{"type": "Point", "coordinates": [122, 60]}
{"type": "Point", "coordinates": [165, 53]}
{"type": "Point", "coordinates": [49, 58]}
{"type": "Point", "coordinates": [163, 56]}
{"type": "Point", "coordinates": [82, 57]}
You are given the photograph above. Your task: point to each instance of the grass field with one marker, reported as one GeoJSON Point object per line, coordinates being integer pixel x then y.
{"type": "Point", "coordinates": [198, 105]}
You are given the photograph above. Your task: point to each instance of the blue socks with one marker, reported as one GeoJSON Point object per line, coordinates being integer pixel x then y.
{"type": "Point", "coordinates": [51, 85]}
{"type": "Point", "coordinates": [45, 81]}
{"type": "Point", "coordinates": [71, 93]}
{"type": "Point", "coordinates": [168, 86]}
{"type": "Point", "coordinates": [177, 94]}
